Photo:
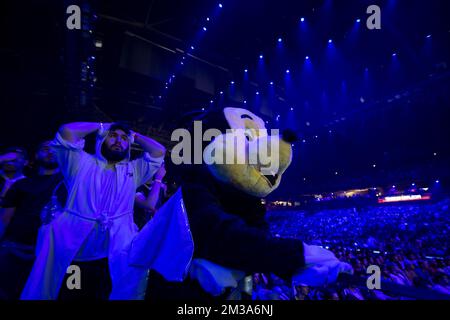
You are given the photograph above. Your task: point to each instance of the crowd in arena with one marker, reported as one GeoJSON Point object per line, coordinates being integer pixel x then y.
{"type": "Point", "coordinates": [408, 242]}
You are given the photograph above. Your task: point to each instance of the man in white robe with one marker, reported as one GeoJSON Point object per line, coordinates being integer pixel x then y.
{"type": "Point", "coordinates": [97, 222]}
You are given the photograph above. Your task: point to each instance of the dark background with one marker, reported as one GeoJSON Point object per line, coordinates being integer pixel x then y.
{"type": "Point", "coordinates": [395, 115]}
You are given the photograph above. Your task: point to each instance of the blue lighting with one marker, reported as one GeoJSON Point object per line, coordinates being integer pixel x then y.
{"type": "Point", "coordinates": [271, 83]}
{"type": "Point", "coordinates": [245, 70]}
{"type": "Point", "coordinates": [307, 57]}
{"type": "Point", "coordinates": [437, 181]}
{"type": "Point", "coordinates": [280, 40]}
{"type": "Point", "coordinates": [257, 93]}
{"type": "Point", "coordinates": [358, 20]}
{"type": "Point", "coordinates": [204, 29]}
{"type": "Point", "coordinates": [429, 36]}
{"type": "Point", "coordinates": [287, 71]}
{"type": "Point", "coordinates": [292, 109]}
{"type": "Point", "coordinates": [203, 109]}
{"type": "Point", "coordinates": [330, 41]}
{"type": "Point", "coordinates": [211, 101]}
{"type": "Point", "coordinates": [261, 56]}
{"type": "Point", "coordinates": [220, 5]}
{"type": "Point", "coordinates": [232, 82]}
{"type": "Point", "coordinates": [221, 92]}
{"type": "Point", "coordinates": [207, 19]}
{"type": "Point", "coordinates": [245, 101]}
{"type": "Point", "coordinates": [302, 19]}
{"type": "Point", "coordinates": [192, 48]}
{"type": "Point", "coordinates": [394, 54]}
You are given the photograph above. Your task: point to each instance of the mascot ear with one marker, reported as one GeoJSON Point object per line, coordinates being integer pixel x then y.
{"type": "Point", "coordinates": [289, 136]}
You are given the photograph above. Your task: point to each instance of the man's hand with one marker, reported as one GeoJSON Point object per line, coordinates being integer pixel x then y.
{"type": "Point", "coordinates": [160, 174]}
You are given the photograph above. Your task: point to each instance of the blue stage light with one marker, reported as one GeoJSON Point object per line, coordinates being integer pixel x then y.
{"type": "Point", "coordinates": [220, 5]}
{"type": "Point", "coordinates": [232, 82]}
{"type": "Point", "coordinates": [437, 181]}
{"type": "Point", "coordinates": [330, 41]}
{"type": "Point", "coordinates": [204, 29]}
{"type": "Point", "coordinates": [429, 36]}
{"type": "Point", "coordinates": [257, 93]}
{"type": "Point", "coordinates": [245, 70]}
{"type": "Point", "coordinates": [288, 71]}
{"type": "Point", "coordinates": [271, 83]}
{"type": "Point", "coordinates": [207, 19]}
{"type": "Point", "coordinates": [307, 57]}
{"type": "Point", "coordinates": [358, 20]}
{"type": "Point", "coordinates": [221, 92]}
{"type": "Point", "coordinates": [261, 56]}
{"type": "Point", "coordinates": [280, 40]}
{"type": "Point", "coordinates": [192, 48]}
{"type": "Point", "coordinates": [302, 19]}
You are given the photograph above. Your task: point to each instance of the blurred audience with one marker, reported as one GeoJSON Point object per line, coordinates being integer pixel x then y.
{"type": "Point", "coordinates": [409, 242]}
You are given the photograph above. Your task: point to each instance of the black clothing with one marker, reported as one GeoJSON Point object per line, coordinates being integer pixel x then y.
{"type": "Point", "coordinates": [29, 196]}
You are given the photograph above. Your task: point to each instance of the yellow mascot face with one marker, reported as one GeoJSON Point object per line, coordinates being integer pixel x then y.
{"type": "Point", "coordinates": [248, 156]}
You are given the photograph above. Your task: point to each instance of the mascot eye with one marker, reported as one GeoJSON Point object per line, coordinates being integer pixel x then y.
{"type": "Point", "coordinates": [246, 116]}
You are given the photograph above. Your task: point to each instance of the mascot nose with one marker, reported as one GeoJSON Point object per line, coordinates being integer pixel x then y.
{"type": "Point", "coordinates": [289, 136]}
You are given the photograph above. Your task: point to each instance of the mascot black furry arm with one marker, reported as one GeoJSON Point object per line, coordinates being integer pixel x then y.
{"type": "Point", "coordinates": [228, 229]}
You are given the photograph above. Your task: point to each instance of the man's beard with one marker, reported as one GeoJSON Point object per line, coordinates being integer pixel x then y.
{"type": "Point", "coordinates": [113, 156]}
{"type": "Point", "coordinates": [49, 165]}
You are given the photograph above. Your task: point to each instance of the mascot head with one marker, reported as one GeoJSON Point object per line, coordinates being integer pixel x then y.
{"type": "Point", "coordinates": [238, 150]}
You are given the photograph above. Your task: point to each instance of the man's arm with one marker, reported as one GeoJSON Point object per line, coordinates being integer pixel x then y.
{"type": "Point", "coordinates": [75, 131]}
{"type": "Point", "coordinates": [150, 202]}
{"type": "Point", "coordinates": [7, 157]}
{"type": "Point", "coordinates": [153, 148]}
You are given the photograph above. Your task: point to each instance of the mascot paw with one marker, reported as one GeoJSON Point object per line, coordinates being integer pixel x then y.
{"type": "Point", "coordinates": [321, 267]}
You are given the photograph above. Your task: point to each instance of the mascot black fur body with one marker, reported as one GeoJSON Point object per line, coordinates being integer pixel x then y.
{"type": "Point", "coordinates": [226, 217]}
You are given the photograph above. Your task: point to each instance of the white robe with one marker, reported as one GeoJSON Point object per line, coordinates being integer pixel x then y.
{"type": "Point", "coordinates": [94, 191]}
